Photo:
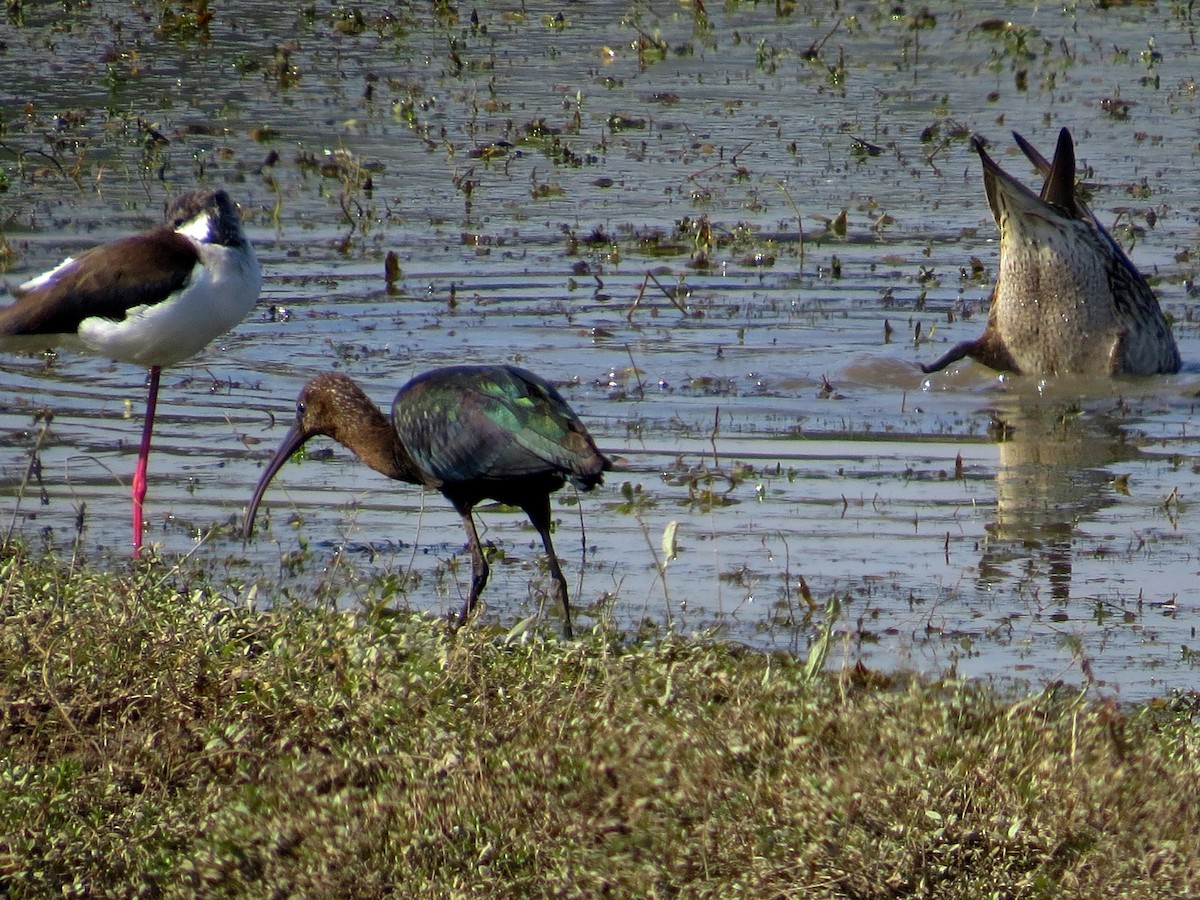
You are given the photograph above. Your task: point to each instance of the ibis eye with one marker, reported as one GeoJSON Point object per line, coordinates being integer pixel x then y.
{"type": "Point", "coordinates": [299, 411]}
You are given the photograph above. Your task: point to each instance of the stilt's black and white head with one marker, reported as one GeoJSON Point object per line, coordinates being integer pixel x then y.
{"type": "Point", "coordinates": [209, 217]}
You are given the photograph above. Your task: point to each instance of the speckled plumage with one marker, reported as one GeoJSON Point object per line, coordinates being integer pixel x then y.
{"type": "Point", "coordinates": [1067, 298]}
{"type": "Point", "coordinates": [471, 432]}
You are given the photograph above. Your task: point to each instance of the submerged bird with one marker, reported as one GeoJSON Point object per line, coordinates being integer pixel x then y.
{"type": "Point", "coordinates": [151, 299]}
{"type": "Point", "coordinates": [472, 432]}
{"type": "Point", "coordinates": [1067, 298]}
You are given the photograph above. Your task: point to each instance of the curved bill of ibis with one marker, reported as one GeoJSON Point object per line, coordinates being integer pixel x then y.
{"type": "Point", "coordinates": [292, 441]}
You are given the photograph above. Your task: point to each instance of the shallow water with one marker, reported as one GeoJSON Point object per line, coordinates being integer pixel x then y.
{"type": "Point", "coordinates": [529, 174]}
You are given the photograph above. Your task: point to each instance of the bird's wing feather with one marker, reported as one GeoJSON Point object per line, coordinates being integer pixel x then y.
{"type": "Point", "coordinates": [106, 281]}
{"type": "Point", "coordinates": [493, 424]}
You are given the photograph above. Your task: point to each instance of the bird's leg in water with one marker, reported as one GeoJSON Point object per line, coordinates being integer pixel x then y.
{"type": "Point", "coordinates": [479, 566]}
{"type": "Point", "coordinates": [539, 515]}
{"type": "Point", "coordinates": [139, 473]}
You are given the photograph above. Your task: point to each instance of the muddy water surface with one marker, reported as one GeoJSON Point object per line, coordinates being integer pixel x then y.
{"type": "Point", "coordinates": [800, 185]}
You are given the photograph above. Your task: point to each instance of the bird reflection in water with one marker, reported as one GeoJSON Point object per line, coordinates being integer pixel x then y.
{"type": "Point", "coordinates": [1054, 472]}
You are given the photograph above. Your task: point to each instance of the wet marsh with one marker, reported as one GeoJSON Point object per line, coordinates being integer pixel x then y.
{"type": "Point", "coordinates": [800, 185]}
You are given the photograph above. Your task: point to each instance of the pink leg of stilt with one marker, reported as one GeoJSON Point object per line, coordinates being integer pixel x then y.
{"type": "Point", "coordinates": [139, 474]}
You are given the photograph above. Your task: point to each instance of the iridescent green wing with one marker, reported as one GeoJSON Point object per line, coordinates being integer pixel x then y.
{"type": "Point", "coordinates": [490, 423]}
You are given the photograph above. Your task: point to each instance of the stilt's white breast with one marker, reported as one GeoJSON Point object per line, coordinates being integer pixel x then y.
{"type": "Point", "coordinates": [220, 293]}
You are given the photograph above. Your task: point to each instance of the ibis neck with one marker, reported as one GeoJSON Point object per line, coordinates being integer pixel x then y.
{"type": "Point", "coordinates": [376, 443]}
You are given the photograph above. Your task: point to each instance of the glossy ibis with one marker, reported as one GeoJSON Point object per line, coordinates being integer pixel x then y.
{"type": "Point", "coordinates": [151, 299]}
{"type": "Point", "coordinates": [472, 432]}
{"type": "Point", "coordinates": [1067, 298]}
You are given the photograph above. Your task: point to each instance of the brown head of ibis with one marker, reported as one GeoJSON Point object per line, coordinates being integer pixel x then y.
{"type": "Point", "coordinates": [471, 432]}
{"type": "Point", "coordinates": [1067, 298]}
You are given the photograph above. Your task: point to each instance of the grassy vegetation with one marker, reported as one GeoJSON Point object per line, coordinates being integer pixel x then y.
{"type": "Point", "coordinates": [159, 741]}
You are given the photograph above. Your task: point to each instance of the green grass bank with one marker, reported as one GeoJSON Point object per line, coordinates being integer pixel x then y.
{"type": "Point", "coordinates": [159, 741]}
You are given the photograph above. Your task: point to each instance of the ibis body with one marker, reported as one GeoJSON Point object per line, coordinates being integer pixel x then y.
{"type": "Point", "coordinates": [473, 433]}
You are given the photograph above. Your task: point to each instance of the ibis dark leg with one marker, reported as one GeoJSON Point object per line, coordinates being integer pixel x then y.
{"type": "Point", "coordinates": [139, 473]}
{"type": "Point", "coordinates": [479, 565]}
{"type": "Point", "coordinates": [539, 515]}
